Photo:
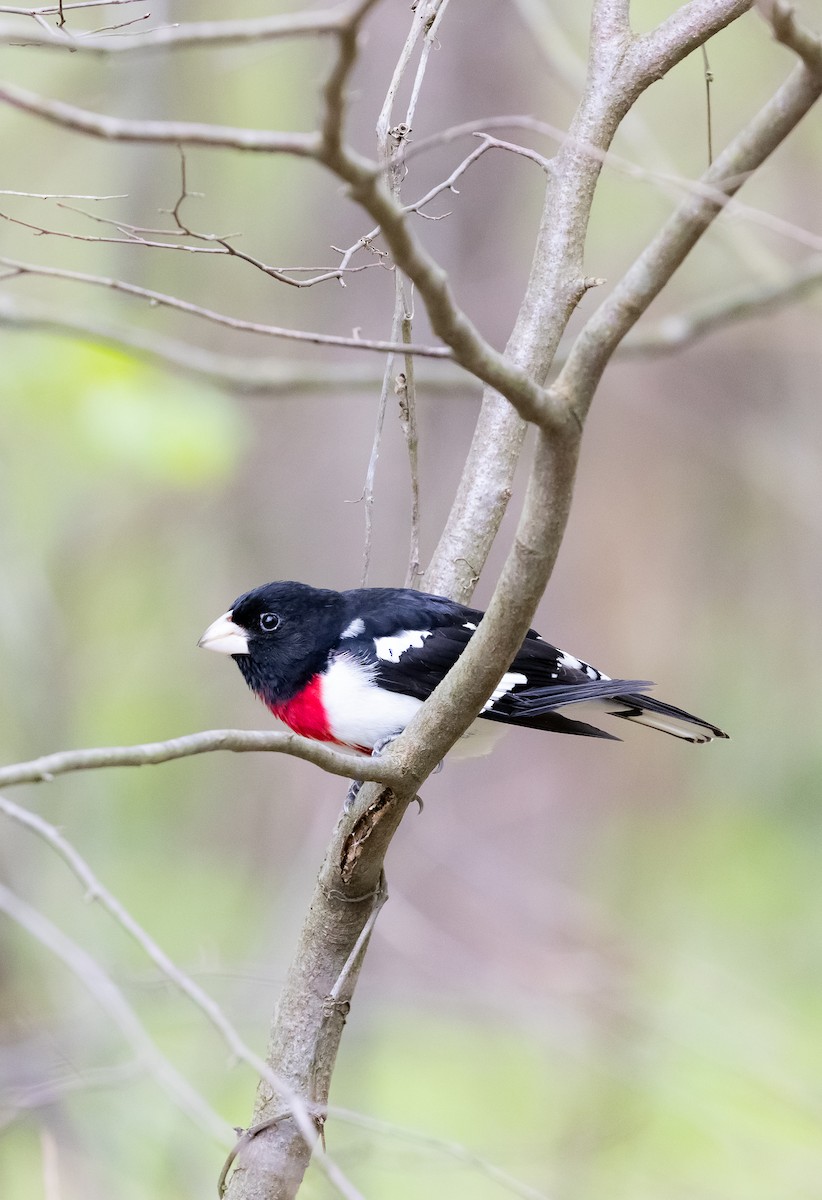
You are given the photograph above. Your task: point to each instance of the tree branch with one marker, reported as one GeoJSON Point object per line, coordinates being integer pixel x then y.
{"type": "Point", "coordinates": [643, 281]}
{"type": "Point", "coordinates": [183, 36]}
{"type": "Point", "coordinates": [238, 741]}
{"type": "Point", "coordinates": [745, 303]}
{"type": "Point", "coordinates": [354, 859]}
{"type": "Point", "coordinates": [173, 133]}
{"type": "Point", "coordinates": [207, 314]}
{"type": "Point", "coordinates": [272, 377]}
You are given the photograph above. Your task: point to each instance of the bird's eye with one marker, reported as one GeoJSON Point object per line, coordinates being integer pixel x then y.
{"type": "Point", "coordinates": [269, 622]}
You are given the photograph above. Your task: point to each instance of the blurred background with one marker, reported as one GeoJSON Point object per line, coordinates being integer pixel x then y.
{"type": "Point", "coordinates": [600, 965]}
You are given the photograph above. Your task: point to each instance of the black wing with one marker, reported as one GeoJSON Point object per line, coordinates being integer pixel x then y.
{"type": "Point", "coordinates": [412, 640]}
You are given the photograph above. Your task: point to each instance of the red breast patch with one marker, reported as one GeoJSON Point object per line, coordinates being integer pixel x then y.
{"type": "Point", "coordinates": [305, 714]}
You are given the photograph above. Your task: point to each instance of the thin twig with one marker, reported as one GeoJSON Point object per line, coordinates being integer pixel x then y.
{"type": "Point", "coordinates": [406, 390]}
{"type": "Point", "coordinates": [337, 992]}
{"type": "Point", "coordinates": [426, 15]}
{"type": "Point", "coordinates": [52, 10]}
{"type": "Point", "coordinates": [166, 301]}
{"type": "Point", "coordinates": [249, 30]}
{"type": "Point", "coordinates": [173, 133]}
{"type": "Point", "coordinates": [709, 78]}
{"type": "Point", "coordinates": [60, 195]}
{"type": "Point", "coordinates": [271, 377]}
{"type": "Point", "coordinates": [219, 245]}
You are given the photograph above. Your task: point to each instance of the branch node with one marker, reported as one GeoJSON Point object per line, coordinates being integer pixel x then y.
{"type": "Point", "coordinates": [782, 19]}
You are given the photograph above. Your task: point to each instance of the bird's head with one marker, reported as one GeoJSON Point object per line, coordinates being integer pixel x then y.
{"type": "Point", "coordinates": [279, 635]}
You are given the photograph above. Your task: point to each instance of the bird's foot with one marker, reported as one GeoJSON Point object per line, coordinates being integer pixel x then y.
{"type": "Point", "coordinates": [376, 750]}
{"type": "Point", "coordinates": [351, 796]}
{"type": "Point", "coordinates": [383, 744]}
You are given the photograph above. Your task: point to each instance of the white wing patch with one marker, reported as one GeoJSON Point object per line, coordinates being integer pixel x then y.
{"type": "Point", "coordinates": [359, 712]}
{"type": "Point", "coordinates": [469, 625]}
{"type": "Point", "coordinates": [509, 680]}
{"type": "Point", "coordinates": [391, 649]}
{"type": "Point", "coordinates": [576, 664]}
{"type": "Point", "coordinates": [353, 630]}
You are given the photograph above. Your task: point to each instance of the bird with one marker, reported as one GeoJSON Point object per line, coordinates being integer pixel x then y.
{"type": "Point", "coordinates": [352, 668]}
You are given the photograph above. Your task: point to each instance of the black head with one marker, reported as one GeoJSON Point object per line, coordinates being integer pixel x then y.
{"type": "Point", "coordinates": [279, 635]}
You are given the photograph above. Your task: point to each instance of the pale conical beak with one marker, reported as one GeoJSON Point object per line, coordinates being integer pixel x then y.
{"type": "Point", "coordinates": [224, 637]}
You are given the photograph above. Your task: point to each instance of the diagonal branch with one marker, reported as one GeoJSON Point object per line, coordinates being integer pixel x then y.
{"type": "Point", "coordinates": [354, 858]}
{"type": "Point", "coordinates": [111, 999]}
{"type": "Point", "coordinates": [644, 280]}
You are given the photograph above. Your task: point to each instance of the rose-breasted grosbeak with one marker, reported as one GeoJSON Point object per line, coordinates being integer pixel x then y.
{"type": "Point", "coordinates": [353, 667]}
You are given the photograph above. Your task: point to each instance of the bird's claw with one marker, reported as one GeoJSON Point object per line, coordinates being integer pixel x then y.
{"type": "Point", "coordinates": [351, 795]}
{"type": "Point", "coordinates": [376, 751]}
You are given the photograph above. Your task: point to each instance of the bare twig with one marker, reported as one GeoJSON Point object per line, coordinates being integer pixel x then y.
{"type": "Point", "coordinates": [425, 18]}
{"type": "Point", "coordinates": [219, 245]}
{"type": "Point", "coordinates": [160, 298]}
{"type": "Point", "coordinates": [371, 470]}
{"type": "Point", "coordinates": [239, 741]}
{"type": "Point", "coordinates": [174, 133]}
{"type": "Point", "coordinates": [406, 390]}
{"type": "Point", "coordinates": [54, 10]}
{"type": "Point", "coordinates": [271, 377]}
{"type": "Point", "coordinates": [745, 303]}
{"type": "Point", "coordinates": [190, 34]}
{"type": "Point", "coordinates": [709, 78]}
{"type": "Point", "coordinates": [644, 280]}
{"type": "Point", "coordinates": [59, 195]}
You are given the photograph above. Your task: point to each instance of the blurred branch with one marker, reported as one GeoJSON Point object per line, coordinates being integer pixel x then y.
{"type": "Point", "coordinates": [59, 9]}
{"type": "Point", "coordinates": [89, 972]}
{"type": "Point", "coordinates": [60, 195]}
{"type": "Point", "coordinates": [249, 376]}
{"type": "Point", "coordinates": [175, 302]}
{"type": "Point", "coordinates": [183, 35]}
{"type": "Point", "coordinates": [174, 133]}
{"type": "Point", "coordinates": [44, 1094]}
{"type": "Point", "coordinates": [95, 890]}
{"type": "Point", "coordinates": [745, 303]}
{"type": "Point", "coordinates": [238, 741]}
{"type": "Point", "coordinates": [791, 33]}
{"type": "Point", "coordinates": [279, 378]}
